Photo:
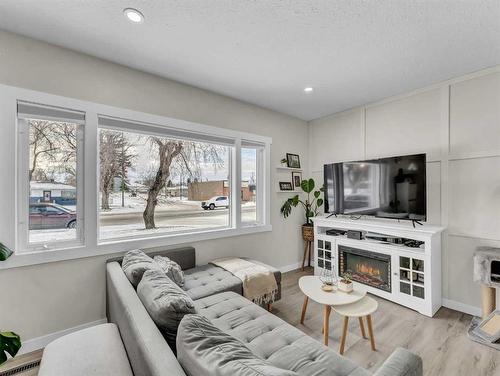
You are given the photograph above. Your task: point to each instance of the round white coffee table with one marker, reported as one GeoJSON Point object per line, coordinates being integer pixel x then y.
{"type": "Point", "coordinates": [311, 287]}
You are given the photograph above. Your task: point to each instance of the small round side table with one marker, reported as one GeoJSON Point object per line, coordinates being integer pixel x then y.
{"type": "Point", "coordinates": [310, 285]}
{"type": "Point", "coordinates": [362, 308]}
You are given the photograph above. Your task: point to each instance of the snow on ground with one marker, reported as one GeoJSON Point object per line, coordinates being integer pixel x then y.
{"type": "Point", "coordinates": [127, 222]}
{"type": "Point", "coordinates": [138, 203]}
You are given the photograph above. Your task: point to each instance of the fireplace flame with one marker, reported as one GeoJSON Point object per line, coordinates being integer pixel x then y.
{"type": "Point", "coordinates": [365, 269]}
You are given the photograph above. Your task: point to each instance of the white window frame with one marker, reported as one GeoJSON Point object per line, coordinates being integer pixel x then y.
{"type": "Point", "coordinates": [260, 203]}
{"type": "Point", "coordinates": [24, 188]}
{"type": "Point", "coordinates": [88, 182]}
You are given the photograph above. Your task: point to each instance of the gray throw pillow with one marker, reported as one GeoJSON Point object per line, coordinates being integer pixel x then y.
{"type": "Point", "coordinates": [171, 269]}
{"type": "Point", "coordinates": [165, 302]}
{"type": "Point", "coordinates": [203, 349]}
{"type": "Point", "coordinates": [135, 263]}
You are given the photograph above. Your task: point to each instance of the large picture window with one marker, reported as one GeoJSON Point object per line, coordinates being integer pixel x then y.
{"type": "Point", "coordinates": [152, 183]}
{"type": "Point", "coordinates": [94, 179]}
{"type": "Point", "coordinates": [50, 147]}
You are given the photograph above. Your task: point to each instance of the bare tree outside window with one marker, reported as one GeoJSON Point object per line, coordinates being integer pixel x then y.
{"type": "Point", "coordinates": [160, 174]}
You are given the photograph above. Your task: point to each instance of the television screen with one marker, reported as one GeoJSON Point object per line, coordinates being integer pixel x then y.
{"type": "Point", "coordinates": [389, 187]}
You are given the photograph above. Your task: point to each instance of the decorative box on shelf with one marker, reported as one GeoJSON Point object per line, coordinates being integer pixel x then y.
{"type": "Point", "coordinates": [395, 261]}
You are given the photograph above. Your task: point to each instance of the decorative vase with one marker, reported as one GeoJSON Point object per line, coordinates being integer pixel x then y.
{"type": "Point", "coordinates": [345, 287]}
{"type": "Point", "coordinates": [329, 280]}
{"type": "Point", "coordinates": [308, 233]}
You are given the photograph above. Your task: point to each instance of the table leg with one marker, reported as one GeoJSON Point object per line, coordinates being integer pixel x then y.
{"type": "Point", "coordinates": [326, 323]}
{"type": "Point", "coordinates": [362, 326]}
{"type": "Point", "coordinates": [370, 331]}
{"type": "Point", "coordinates": [344, 335]}
{"type": "Point", "coordinates": [304, 308]}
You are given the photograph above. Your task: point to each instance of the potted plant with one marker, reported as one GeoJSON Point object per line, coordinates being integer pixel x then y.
{"type": "Point", "coordinates": [310, 205]}
{"type": "Point", "coordinates": [10, 343]}
{"type": "Point", "coordinates": [345, 283]}
{"type": "Point", "coordinates": [284, 162]}
{"type": "Point", "coordinates": [5, 252]}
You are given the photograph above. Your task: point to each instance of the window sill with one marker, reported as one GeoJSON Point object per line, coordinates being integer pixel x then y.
{"type": "Point", "coordinates": [27, 258]}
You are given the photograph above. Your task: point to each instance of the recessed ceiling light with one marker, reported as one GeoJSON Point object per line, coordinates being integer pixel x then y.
{"type": "Point", "coordinates": [133, 15]}
{"type": "Point", "coordinates": [308, 89]}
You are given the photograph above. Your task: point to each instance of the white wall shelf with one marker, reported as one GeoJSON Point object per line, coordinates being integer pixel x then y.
{"type": "Point", "coordinates": [283, 168]}
{"type": "Point", "coordinates": [288, 191]}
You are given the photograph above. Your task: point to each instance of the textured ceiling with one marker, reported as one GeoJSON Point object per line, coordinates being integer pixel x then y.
{"type": "Point", "coordinates": [266, 51]}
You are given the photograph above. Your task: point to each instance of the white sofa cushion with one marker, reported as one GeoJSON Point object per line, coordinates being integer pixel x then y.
{"type": "Point", "coordinates": [95, 351]}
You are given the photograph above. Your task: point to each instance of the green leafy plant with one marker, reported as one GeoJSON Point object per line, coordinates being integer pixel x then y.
{"type": "Point", "coordinates": [5, 252]}
{"type": "Point", "coordinates": [10, 343]}
{"type": "Point", "coordinates": [310, 205]}
{"type": "Point", "coordinates": [283, 160]}
{"type": "Point", "coordinates": [346, 278]}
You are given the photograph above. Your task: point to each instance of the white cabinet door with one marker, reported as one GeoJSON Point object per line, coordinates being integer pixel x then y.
{"type": "Point", "coordinates": [325, 254]}
{"type": "Point", "coordinates": [410, 278]}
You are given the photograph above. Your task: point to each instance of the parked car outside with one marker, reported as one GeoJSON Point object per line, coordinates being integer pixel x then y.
{"type": "Point", "coordinates": [50, 216]}
{"type": "Point", "coordinates": [216, 202]}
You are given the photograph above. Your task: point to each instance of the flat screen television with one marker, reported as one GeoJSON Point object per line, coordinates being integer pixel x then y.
{"type": "Point", "coordinates": [392, 187]}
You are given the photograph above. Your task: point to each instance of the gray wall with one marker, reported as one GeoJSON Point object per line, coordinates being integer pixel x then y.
{"type": "Point", "coordinates": [42, 299]}
{"type": "Point", "coordinates": [457, 124]}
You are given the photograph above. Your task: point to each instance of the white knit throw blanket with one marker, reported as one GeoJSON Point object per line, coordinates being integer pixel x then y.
{"type": "Point", "coordinates": [259, 283]}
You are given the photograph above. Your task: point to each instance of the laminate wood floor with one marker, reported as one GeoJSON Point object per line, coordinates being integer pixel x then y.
{"type": "Point", "coordinates": [441, 341]}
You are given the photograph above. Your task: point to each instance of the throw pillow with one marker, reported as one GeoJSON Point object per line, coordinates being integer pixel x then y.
{"type": "Point", "coordinates": [203, 349]}
{"type": "Point", "coordinates": [165, 302]}
{"type": "Point", "coordinates": [171, 269]}
{"type": "Point", "coordinates": [135, 263]}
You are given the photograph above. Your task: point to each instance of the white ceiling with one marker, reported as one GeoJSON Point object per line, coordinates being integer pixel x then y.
{"type": "Point", "coordinates": [266, 51]}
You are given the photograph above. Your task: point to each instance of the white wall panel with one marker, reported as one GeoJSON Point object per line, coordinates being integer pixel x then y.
{"type": "Point", "coordinates": [475, 197]}
{"type": "Point", "coordinates": [434, 192]}
{"type": "Point", "coordinates": [405, 126]}
{"type": "Point", "coordinates": [336, 138]}
{"type": "Point", "coordinates": [475, 115]}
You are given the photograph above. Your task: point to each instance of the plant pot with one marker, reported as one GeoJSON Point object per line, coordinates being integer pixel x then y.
{"type": "Point", "coordinates": [345, 287]}
{"type": "Point", "coordinates": [308, 233]}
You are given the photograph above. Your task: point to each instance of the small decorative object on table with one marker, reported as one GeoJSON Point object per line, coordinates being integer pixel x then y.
{"type": "Point", "coordinates": [329, 280]}
{"type": "Point", "coordinates": [286, 186]}
{"type": "Point", "coordinates": [293, 160]}
{"type": "Point", "coordinates": [345, 283]}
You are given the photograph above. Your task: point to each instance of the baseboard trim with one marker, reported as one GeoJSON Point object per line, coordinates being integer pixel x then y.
{"type": "Point", "coordinates": [462, 307]}
{"type": "Point", "coordinates": [289, 268]}
{"type": "Point", "coordinates": [40, 342]}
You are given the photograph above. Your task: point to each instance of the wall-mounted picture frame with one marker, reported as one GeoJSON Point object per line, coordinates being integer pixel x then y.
{"type": "Point", "coordinates": [296, 179]}
{"type": "Point", "coordinates": [292, 160]}
{"type": "Point", "coordinates": [286, 186]}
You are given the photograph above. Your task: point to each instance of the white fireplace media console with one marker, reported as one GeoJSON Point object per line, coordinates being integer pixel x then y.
{"type": "Point", "coordinates": [407, 275]}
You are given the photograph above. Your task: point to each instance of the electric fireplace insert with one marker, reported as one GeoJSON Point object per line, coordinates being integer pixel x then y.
{"type": "Point", "coordinates": [370, 268]}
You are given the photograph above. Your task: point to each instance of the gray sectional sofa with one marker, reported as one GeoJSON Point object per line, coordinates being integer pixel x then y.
{"type": "Point", "coordinates": [217, 297]}
{"type": "Point", "coordinates": [226, 335]}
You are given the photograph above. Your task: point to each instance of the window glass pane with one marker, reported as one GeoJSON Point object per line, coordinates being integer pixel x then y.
{"type": "Point", "coordinates": [154, 185]}
{"type": "Point", "coordinates": [52, 176]}
{"type": "Point", "coordinates": [249, 173]}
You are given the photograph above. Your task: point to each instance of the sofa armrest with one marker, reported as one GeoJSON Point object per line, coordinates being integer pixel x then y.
{"type": "Point", "coordinates": [401, 363]}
